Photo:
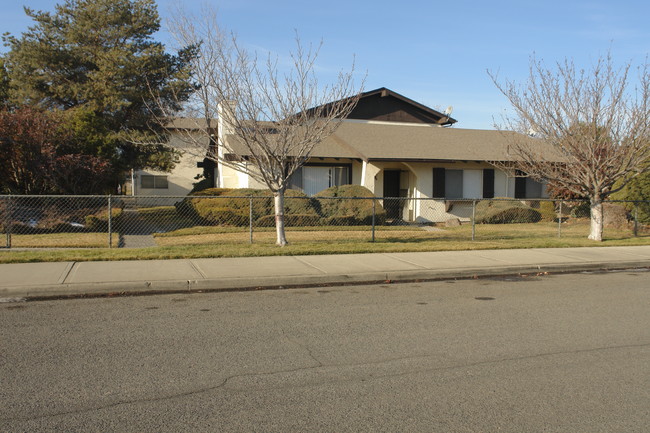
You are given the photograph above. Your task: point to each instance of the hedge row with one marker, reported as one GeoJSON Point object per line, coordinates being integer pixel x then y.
{"type": "Point", "coordinates": [222, 206]}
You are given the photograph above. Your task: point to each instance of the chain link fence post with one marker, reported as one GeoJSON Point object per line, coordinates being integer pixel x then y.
{"type": "Point", "coordinates": [8, 224]}
{"type": "Point", "coordinates": [250, 219]}
{"type": "Point", "coordinates": [374, 211]}
{"type": "Point", "coordinates": [473, 220]}
{"type": "Point", "coordinates": [110, 222]}
{"type": "Point", "coordinates": [636, 219]}
{"type": "Point", "coordinates": [559, 221]}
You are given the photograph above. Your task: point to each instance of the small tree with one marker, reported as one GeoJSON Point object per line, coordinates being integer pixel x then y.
{"type": "Point", "coordinates": [4, 84]}
{"type": "Point", "coordinates": [39, 154]}
{"type": "Point", "coordinates": [595, 122]}
{"type": "Point", "coordinates": [274, 117]}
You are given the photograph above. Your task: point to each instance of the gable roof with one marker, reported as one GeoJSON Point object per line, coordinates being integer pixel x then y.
{"type": "Point", "coordinates": [386, 105]}
{"type": "Point", "coordinates": [418, 113]}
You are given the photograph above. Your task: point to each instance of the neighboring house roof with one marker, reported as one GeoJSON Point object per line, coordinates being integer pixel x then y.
{"type": "Point", "coordinates": [371, 140]}
{"type": "Point", "coordinates": [189, 123]}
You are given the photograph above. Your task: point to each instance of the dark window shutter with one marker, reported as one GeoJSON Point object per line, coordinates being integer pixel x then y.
{"type": "Point", "coordinates": [295, 181]}
{"type": "Point", "coordinates": [438, 182]}
{"type": "Point", "coordinates": [520, 187]}
{"type": "Point", "coordinates": [488, 183]}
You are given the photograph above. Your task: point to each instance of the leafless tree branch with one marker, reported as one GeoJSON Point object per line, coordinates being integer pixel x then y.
{"type": "Point", "coordinates": [271, 115]}
{"type": "Point", "coordinates": [595, 120]}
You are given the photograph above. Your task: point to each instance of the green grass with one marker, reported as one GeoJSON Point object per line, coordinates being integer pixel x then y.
{"type": "Point", "coordinates": [198, 242]}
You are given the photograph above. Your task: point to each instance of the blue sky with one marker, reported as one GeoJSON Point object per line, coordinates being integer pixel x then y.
{"type": "Point", "coordinates": [436, 53]}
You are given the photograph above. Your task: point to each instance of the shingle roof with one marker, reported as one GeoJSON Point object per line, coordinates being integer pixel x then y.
{"type": "Point", "coordinates": [370, 140]}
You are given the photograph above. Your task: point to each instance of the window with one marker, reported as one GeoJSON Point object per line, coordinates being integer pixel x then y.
{"type": "Point", "coordinates": [526, 187]}
{"type": "Point", "coordinates": [463, 184]}
{"type": "Point", "coordinates": [148, 181]}
{"type": "Point", "coordinates": [314, 178]}
{"type": "Point", "coordinates": [453, 184]}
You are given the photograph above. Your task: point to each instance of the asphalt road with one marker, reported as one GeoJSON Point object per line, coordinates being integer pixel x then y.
{"type": "Point", "coordinates": [564, 353]}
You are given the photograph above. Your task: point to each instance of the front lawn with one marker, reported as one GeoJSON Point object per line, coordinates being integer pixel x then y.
{"type": "Point", "coordinates": [196, 242]}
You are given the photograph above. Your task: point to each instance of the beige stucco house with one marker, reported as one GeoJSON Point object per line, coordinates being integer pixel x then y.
{"type": "Point", "coordinates": [393, 146]}
{"type": "Point", "coordinates": [397, 147]}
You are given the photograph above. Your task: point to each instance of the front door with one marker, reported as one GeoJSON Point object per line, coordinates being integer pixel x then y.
{"type": "Point", "coordinates": [391, 189]}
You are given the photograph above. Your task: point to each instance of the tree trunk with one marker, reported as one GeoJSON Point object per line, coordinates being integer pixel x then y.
{"type": "Point", "coordinates": [596, 232]}
{"type": "Point", "coordinates": [278, 199]}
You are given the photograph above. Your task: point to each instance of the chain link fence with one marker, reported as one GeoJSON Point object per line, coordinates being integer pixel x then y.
{"type": "Point", "coordinates": [153, 221]}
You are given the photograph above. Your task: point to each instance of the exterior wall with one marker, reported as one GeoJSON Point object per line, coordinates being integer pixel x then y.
{"type": "Point", "coordinates": [417, 180]}
{"type": "Point", "coordinates": [252, 183]}
{"type": "Point", "coordinates": [357, 172]}
{"type": "Point", "coordinates": [231, 178]}
{"type": "Point", "coordinates": [180, 180]}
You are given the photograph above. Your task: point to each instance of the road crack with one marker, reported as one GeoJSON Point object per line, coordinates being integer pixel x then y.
{"type": "Point", "coordinates": [223, 384]}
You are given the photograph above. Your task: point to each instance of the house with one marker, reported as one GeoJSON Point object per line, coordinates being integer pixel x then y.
{"type": "Point", "coordinates": [180, 181]}
{"type": "Point", "coordinates": [392, 145]}
{"type": "Point", "coordinates": [397, 147]}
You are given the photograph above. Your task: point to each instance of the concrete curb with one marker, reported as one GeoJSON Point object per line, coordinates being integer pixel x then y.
{"type": "Point", "coordinates": [133, 288]}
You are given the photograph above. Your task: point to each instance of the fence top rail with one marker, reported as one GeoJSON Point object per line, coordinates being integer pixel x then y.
{"type": "Point", "coordinates": [183, 197]}
{"type": "Point", "coordinates": [55, 196]}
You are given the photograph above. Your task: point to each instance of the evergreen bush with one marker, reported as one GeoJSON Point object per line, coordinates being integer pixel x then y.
{"type": "Point", "coordinates": [505, 212]}
{"type": "Point", "coordinates": [349, 205]}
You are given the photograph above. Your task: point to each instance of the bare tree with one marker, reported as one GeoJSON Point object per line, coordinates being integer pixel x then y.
{"type": "Point", "coordinates": [271, 114]}
{"type": "Point", "coordinates": [596, 122]}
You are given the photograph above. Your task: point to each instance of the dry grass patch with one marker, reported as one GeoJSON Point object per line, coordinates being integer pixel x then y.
{"type": "Point", "coordinates": [268, 237]}
{"type": "Point", "coordinates": [63, 240]}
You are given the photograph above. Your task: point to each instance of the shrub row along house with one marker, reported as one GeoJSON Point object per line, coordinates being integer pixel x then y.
{"type": "Point", "coordinates": [389, 144]}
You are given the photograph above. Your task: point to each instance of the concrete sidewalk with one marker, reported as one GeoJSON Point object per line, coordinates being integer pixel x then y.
{"type": "Point", "coordinates": [28, 280]}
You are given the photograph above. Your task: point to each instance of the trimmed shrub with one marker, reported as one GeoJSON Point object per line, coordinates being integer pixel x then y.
{"type": "Point", "coordinates": [98, 222]}
{"type": "Point", "coordinates": [226, 206]}
{"type": "Point", "coordinates": [201, 185]}
{"type": "Point", "coordinates": [351, 211]}
{"type": "Point", "coordinates": [295, 202]}
{"type": "Point", "coordinates": [188, 206]}
{"type": "Point", "coordinates": [290, 220]}
{"type": "Point", "coordinates": [505, 212]}
{"type": "Point", "coordinates": [212, 192]}
{"type": "Point", "coordinates": [547, 211]}
{"type": "Point", "coordinates": [225, 216]}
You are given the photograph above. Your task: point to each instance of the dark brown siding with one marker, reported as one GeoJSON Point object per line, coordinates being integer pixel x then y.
{"type": "Point", "coordinates": [389, 108]}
